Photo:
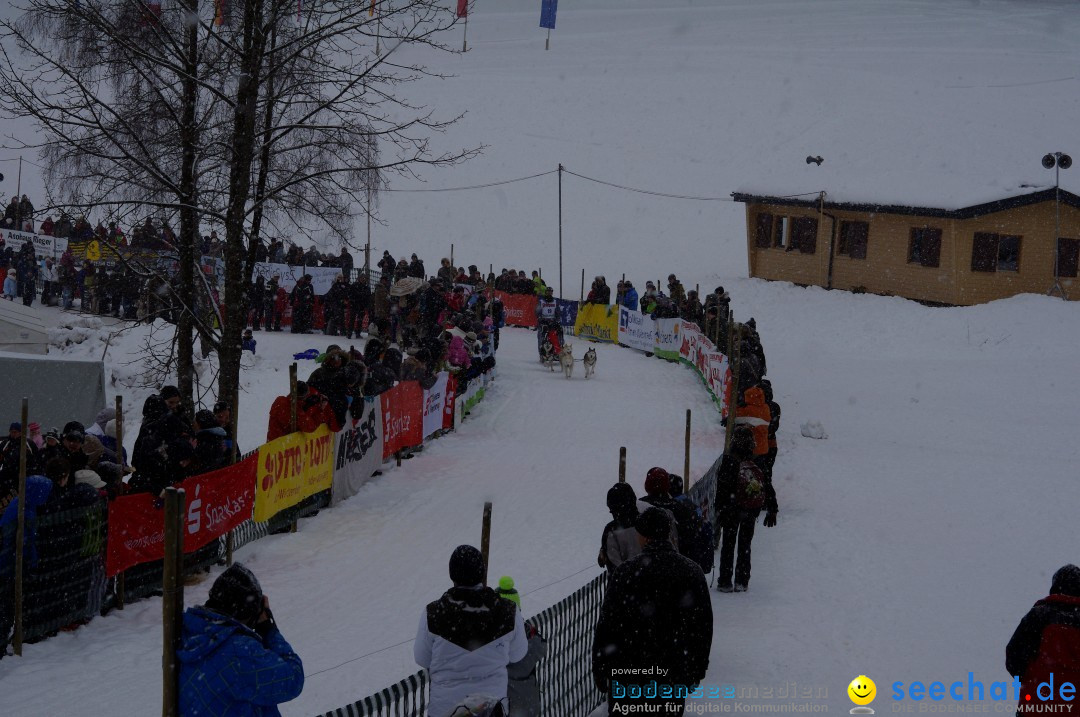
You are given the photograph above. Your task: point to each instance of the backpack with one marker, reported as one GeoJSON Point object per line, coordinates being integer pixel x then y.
{"type": "Point", "coordinates": [703, 545]}
{"type": "Point", "coordinates": [749, 487]}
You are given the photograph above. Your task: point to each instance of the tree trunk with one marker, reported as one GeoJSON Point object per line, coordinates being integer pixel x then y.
{"type": "Point", "coordinates": [189, 216]}
{"type": "Point", "coordinates": [242, 157]}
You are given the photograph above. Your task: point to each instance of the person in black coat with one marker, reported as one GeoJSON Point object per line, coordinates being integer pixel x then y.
{"type": "Point", "coordinates": [1046, 645]}
{"type": "Point", "coordinates": [334, 303]}
{"type": "Point", "coordinates": [658, 494]}
{"type": "Point", "coordinates": [211, 443]}
{"type": "Point", "coordinates": [387, 264]}
{"type": "Point", "coordinates": [742, 490]}
{"type": "Point", "coordinates": [257, 301]}
{"type": "Point", "coordinates": [416, 268]}
{"type": "Point", "coordinates": [303, 302]}
{"type": "Point", "coordinates": [359, 302]}
{"type": "Point", "coordinates": [656, 616]}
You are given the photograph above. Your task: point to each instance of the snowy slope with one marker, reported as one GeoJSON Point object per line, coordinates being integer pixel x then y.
{"type": "Point", "coordinates": [910, 542]}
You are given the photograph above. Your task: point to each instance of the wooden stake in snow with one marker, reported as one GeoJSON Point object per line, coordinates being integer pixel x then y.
{"type": "Point", "coordinates": [485, 539]}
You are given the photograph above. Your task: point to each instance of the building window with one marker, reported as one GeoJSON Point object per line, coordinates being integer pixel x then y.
{"type": "Point", "coordinates": [764, 231]}
{"type": "Point", "coordinates": [995, 252]}
{"type": "Point", "coordinates": [853, 236]}
{"type": "Point", "coordinates": [781, 227]}
{"type": "Point", "coordinates": [1068, 257]}
{"type": "Point", "coordinates": [924, 246]}
{"type": "Point", "coordinates": [804, 235]}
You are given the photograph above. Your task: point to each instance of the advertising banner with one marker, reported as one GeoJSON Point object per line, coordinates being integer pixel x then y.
{"type": "Point", "coordinates": [43, 245]}
{"type": "Point", "coordinates": [403, 417]}
{"type": "Point", "coordinates": [567, 312]}
{"type": "Point", "coordinates": [292, 468]}
{"type": "Point", "coordinates": [548, 10]}
{"type": "Point", "coordinates": [636, 330]}
{"type": "Point", "coordinates": [358, 450]}
{"type": "Point", "coordinates": [668, 338]}
{"type": "Point", "coordinates": [520, 309]}
{"type": "Point", "coordinates": [435, 405]}
{"type": "Point", "coordinates": [704, 491]}
{"type": "Point", "coordinates": [217, 502]}
{"type": "Point", "coordinates": [322, 277]}
{"type": "Point", "coordinates": [597, 322]}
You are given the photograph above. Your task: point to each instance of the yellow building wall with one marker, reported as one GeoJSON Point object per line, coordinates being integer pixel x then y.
{"type": "Point", "coordinates": [778, 264]}
{"type": "Point", "coordinates": [1036, 226]}
{"type": "Point", "coordinates": [886, 269]}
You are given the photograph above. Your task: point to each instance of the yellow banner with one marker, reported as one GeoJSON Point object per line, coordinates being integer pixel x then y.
{"type": "Point", "coordinates": [597, 322]}
{"type": "Point", "coordinates": [292, 468]}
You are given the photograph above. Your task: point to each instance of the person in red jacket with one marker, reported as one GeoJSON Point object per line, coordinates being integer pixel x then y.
{"type": "Point", "coordinates": [312, 410]}
{"type": "Point", "coordinates": [1046, 645]}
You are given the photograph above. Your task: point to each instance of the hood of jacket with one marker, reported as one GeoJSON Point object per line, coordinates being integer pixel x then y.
{"type": "Point", "coordinates": [205, 632]}
{"type": "Point", "coordinates": [755, 396]}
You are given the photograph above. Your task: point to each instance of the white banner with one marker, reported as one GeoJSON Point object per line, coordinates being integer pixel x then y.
{"type": "Point", "coordinates": [358, 450]}
{"type": "Point", "coordinates": [667, 338]}
{"type": "Point", "coordinates": [434, 404]}
{"type": "Point", "coordinates": [43, 245]}
{"type": "Point", "coordinates": [636, 330]}
{"type": "Point", "coordinates": [322, 277]}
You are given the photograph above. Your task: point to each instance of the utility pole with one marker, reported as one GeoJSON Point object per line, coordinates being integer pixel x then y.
{"type": "Point", "coordinates": [560, 231]}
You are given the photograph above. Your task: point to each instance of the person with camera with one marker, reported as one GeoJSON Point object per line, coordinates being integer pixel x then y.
{"type": "Point", "coordinates": [233, 659]}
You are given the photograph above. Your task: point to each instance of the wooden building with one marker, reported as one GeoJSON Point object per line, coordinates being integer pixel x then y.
{"type": "Point", "coordinates": [943, 256]}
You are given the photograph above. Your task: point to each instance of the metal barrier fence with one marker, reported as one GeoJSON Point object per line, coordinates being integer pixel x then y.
{"type": "Point", "coordinates": [565, 674]}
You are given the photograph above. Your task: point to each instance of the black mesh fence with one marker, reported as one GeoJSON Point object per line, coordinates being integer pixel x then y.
{"type": "Point", "coordinates": [565, 674]}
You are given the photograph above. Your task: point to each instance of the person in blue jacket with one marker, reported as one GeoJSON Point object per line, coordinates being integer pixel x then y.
{"type": "Point", "coordinates": [233, 659]}
{"type": "Point", "coordinates": [629, 296]}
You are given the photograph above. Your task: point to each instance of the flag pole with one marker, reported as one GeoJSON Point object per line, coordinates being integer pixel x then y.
{"type": "Point", "coordinates": [465, 35]}
{"type": "Point", "coordinates": [547, 42]}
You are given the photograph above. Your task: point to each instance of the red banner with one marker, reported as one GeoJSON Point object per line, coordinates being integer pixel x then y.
{"type": "Point", "coordinates": [216, 503]}
{"type": "Point", "coordinates": [519, 309]}
{"type": "Point", "coordinates": [403, 417]}
{"type": "Point", "coordinates": [462, 8]}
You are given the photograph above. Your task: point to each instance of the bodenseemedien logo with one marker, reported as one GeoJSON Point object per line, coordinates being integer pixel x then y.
{"type": "Point", "coordinates": [862, 692]}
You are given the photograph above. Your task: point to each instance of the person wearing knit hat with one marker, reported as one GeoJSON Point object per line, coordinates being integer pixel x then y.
{"type": "Point", "coordinates": [618, 542]}
{"type": "Point", "coordinates": [468, 636]}
{"type": "Point", "coordinates": [656, 616]}
{"type": "Point", "coordinates": [523, 685]}
{"type": "Point", "coordinates": [233, 659]}
{"type": "Point", "coordinates": [1045, 648]}
{"type": "Point", "coordinates": [658, 494]}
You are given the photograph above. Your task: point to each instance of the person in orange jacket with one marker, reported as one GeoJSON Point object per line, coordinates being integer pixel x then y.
{"type": "Point", "coordinates": [312, 410]}
{"type": "Point", "coordinates": [753, 411]}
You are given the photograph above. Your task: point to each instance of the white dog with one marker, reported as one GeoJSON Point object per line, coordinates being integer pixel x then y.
{"type": "Point", "coordinates": [566, 360]}
{"type": "Point", "coordinates": [590, 362]}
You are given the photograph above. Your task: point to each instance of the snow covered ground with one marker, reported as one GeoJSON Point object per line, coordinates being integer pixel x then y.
{"type": "Point", "coordinates": [910, 541]}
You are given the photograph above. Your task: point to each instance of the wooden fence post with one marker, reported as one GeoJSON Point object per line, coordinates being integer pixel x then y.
{"type": "Point", "coordinates": [485, 539]}
{"type": "Point", "coordinates": [686, 460]}
{"type": "Point", "coordinates": [292, 418]}
{"type": "Point", "coordinates": [172, 603]}
{"type": "Point", "coordinates": [622, 464]}
{"type": "Point", "coordinates": [734, 393]}
{"type": "Point", "coordinates": [20, 530]}
{"type": "Point", "coordinates": [121, 582]}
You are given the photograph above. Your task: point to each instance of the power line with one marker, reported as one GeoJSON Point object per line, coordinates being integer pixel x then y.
{"type": "Point", "coordinates": [647, 191]}
{"type": "Point", "coordinates": [476, 186]}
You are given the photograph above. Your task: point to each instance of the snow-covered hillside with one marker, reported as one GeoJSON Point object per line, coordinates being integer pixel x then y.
{"type": "Point", "coordinates": [909, 543]}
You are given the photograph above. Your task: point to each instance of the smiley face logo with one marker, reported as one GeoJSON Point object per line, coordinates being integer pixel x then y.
{"type": "Point", "coordinates": [862, 690]}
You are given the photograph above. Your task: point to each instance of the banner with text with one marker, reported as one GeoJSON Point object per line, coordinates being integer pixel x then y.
{"type": "Point", "coordinates": [597, 322]}
{"type": "Point", "coordinates": [322, 277]}
{"type": "Point", "coordinates": [292, 468]}
{"type": "Point", "coordinates": [435, 405]}
{"type": "Point", "coordinates": [217, 502]}
{"type": "Point", "coordinates": [358, 451]}
{"type": "Point", "coordinates": [668, 338]}
{"type": "Point", "coordinates": [43, 245]}
{"type": "Point", "coordinates": [519, 309]}
{"type": "Point", "coordinates": [636, 330]}
{"type": "Point", "coordinates": [403, 417]}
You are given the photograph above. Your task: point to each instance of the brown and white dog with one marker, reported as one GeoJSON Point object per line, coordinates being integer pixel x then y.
{"type": "Point", "coordinates": [590, 362]}
{"type": "Point", "coordinates": [566, 360]}
{"type": "Point", "coordinates": [547, 354]}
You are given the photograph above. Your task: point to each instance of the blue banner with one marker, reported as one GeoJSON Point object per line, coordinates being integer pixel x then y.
{"type": "Point", "coordinates": [567, 312]}
{"type": "Point", "coordinates": [548, 8]}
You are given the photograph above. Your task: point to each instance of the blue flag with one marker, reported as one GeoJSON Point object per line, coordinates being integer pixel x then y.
{"type": "Point", "coordinates": [567, 312]}
{"type": "Point", "coordinates": [548, 8]}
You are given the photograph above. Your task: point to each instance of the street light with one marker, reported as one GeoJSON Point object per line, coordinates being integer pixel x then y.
{"type": "Point", "coordinates": [1057, 161]}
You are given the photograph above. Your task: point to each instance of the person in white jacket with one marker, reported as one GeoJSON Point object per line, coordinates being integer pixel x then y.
{"type": "Point", "coordinates": [467, 637]}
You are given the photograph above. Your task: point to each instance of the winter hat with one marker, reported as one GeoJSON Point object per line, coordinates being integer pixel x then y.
{"type": "Point", "coordinates": [654, 524]}
{"type": "Point", "coordinates": [205, 419]}
{"type": "Point", "coordinates": [73, 427]}
{"type": "Point", "coordinates": [53, 433]}
{"type": "Point", "coordinates": [237, 594]}
{"type": "Point", "coordinates": [111, 473]}
{"type": "Point", "coordinates": [92, 448]}
{"type": "Point", "coordinates": [676, 486]}
{"type": "Point", "coordinates": [35, 427]}
{"type": "Point", "coordinates": [506, 590]}
{"type": "Point", "coordinates": [466, 566]}
{"type": "Point", "coordinates": [90, 478]}
{"type": "Point", "coordinates": [110, 428]}
{"type": "Point", "coordinates": [15, 426]}
{"type": "Point", "coordinates": [621, 497]}
{"type": "Point", "coordinates": [1066, 581]}
{"type": "Point", "coordinates": [168, 392]}
{"type": "Point", "coordinates": [657, 481]}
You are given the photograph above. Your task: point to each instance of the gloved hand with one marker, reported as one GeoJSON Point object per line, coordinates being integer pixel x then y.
{"type": "Point", "coordinates": [770, 520]}
{"type": "Point", "coordinates": [265, 624]}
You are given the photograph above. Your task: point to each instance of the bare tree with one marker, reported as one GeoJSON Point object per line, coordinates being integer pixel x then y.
{"type": "Point", "coordinates": [264, 116]}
